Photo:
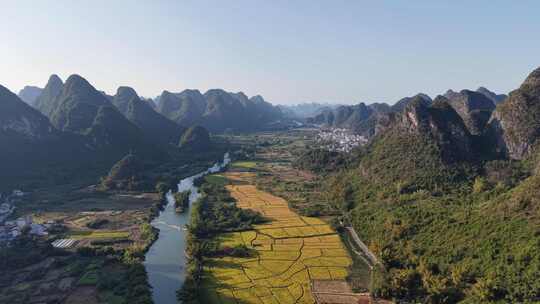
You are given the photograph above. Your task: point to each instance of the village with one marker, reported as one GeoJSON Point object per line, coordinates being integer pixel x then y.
{"type": "Point", "coordinates": [10, 230]}
{"type": "Point", "coordinates": [339, 140]}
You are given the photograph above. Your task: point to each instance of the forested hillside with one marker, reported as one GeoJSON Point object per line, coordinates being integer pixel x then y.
{"type": "Point", "coordinates": [451, 219]}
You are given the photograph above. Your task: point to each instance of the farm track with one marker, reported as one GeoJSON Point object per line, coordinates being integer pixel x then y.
{"type": "Point", "coordinates": [365, 250]}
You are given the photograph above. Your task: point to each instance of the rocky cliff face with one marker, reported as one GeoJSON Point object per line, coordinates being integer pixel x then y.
{"type": "Point", "coordinates": [401, 104]}
{"type": "Point", "coordinates": [516, 121]}
{"type": "Point", "coordinates": [422, 147]}
{"type": "Point", "coordinates": [474, 108]}
{"type": "Point", "coordinates": [496, 98]}
{"type": "Point", "coordinates": [29, 94]}
{"type": "Point", "coordinates": [366, 120]}
{"type": "Point", "coordinates": [439, 122]}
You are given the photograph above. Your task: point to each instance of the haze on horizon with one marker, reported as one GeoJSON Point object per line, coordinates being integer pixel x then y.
{"type": "Point", "coordinates": [287, 51]}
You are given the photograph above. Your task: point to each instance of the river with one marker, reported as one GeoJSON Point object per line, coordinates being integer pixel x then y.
{"type": "Point", "coordinates": [165, 260]}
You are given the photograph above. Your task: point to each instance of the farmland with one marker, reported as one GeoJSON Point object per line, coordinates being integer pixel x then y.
{"type": "Point", "coordinates": [290, 252]}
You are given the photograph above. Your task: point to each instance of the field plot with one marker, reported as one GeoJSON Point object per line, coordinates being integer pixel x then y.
{"type": "Point", "coordinates": [291, 251]}
{"type": "Point", "coordinates": [91, 234]}
{"type": "Point", "coordinates": [244, 164]}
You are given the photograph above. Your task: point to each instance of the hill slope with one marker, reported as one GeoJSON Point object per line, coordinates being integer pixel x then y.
{"type": "Point", "coordinates": [218, 110]}
{"type": "Point", "coordinates": [449, 224]}
{"type": "Point", "coordinates": [153, 125]}
{"type": "Point", "coordinates": [81, 109]}
{"type": "Point", "coordinates": [47, 101]}
{"type": "Point", "coordinates": [516, 121]}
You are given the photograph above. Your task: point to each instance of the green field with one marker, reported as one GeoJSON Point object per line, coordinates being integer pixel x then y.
{"type": "Point", "coordinates": [80, 235]}
{"type": "Point", "coordinates": [244, 164]}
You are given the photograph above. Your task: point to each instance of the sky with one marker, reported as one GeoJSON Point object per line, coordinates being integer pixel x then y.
{"type": "Point", "coordinates": [289, 51]}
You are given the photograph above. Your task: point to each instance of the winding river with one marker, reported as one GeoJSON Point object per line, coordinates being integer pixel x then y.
{"type": "Point", "coordinates": [165, 260]}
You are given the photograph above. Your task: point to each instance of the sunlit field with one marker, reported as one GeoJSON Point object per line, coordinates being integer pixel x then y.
{"type": "Point", "coordinates": [291, 250]}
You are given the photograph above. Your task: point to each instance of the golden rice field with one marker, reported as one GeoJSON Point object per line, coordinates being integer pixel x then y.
{"type": "Point", "coordinates": [90, 234]}
{"type": "Point", "coordinates": [291, 251]}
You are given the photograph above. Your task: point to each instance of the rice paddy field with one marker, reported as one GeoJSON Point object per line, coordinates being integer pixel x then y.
{"type": "Point", "coordinates": [291, 252]}
{"type": "Point", "coordinates": [92, 234]}
{"type": "Point", "coordinates": [244, 164]}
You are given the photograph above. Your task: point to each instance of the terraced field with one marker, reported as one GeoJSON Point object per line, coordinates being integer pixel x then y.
{"type": "Point", "coordinates": [291, 251]}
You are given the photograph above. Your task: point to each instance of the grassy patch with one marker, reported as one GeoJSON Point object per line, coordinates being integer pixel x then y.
{"type": "Point", "coordinates": [79, 235]}
{"type": "Point", "coordinates": [244, 164]}
{"type": "Point", "coordinates": [89, 279]}
{"type": "Point", "coordinates": [216, 179]}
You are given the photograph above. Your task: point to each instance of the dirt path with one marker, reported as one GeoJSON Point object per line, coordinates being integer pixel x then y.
{"type": "Point", "coordinates": [372, 259]}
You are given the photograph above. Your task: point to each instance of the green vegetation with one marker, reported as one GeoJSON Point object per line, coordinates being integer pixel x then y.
{"type": "Point", "coordinates": [24, 251]}
{"type": "Point", "coordinates": [126, 174]}
{"type": "Point", "coordinates": [196, 138]}
{"type": "Point", "coordinates": [213, 213]}
{"type": "Point", "coordinates": [181, 201]}
{"type": "Point", "coordinates": [321, 161]}
{"type": "Point", "coordinates": [89, 278]}
{"type": "Point", "coordinates": [216, 212]}
{"type": "Point", "coordinates": [90, 234]}
{"type": "Point", "coordinates": [97, 223]}
{"type": "Point", "coordinates": [244, 164]}
{"type": "Point", "coordinates": [446, 232]}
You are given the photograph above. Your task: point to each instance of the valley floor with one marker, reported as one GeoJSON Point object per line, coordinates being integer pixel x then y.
{"type": "Point", "coordinates": [292, 252]}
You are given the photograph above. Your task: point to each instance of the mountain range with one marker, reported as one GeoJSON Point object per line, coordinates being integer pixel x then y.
{"type": "Point", "coordinates": [305, 110]}
{"type": "Point", "coordinates": [75, 123]}
{"type": "Point", "coordinates": [475, 108]}
{"type": "Point", "coordinates": [218, 110]}
{"type": "Point", "coordinates": [153, 125]}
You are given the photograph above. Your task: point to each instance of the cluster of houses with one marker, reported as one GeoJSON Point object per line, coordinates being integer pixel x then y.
{"type": "Point", "coordinates": [340, 140]}
{"type": "Point", "coordinates": [9, 230]}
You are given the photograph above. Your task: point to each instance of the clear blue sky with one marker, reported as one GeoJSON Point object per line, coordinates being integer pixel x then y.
{"type": "Point", "coordinates": [289, 51]}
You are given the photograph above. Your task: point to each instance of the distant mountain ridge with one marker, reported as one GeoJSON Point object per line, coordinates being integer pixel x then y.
{"type": "Point", "coordinates": [306, 110]}
{"type": "Point", "coordinates": [361, 118]}
{"type": "Point", "coordinates": [46, 103]}
{"type": "Point", "coordinates": [152, 124]}
{"type": "Point", "coordinates": [218, 110]}
{"type": "Point", "coordinates": [475, 108]}
{"type": "Point", "coordinates": [30, 94]}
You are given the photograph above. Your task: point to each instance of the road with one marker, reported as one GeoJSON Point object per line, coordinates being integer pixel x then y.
{"type": "Point", "coordinates": [365, 250]}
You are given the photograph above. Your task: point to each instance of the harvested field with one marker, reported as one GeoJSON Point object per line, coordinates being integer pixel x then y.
{"type": "Point", "coordinates": [92, 234]}
{"type": "Point", "coordinates": [291, 251]}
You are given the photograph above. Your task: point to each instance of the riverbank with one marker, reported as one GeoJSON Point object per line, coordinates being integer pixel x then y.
{"type": "Point", "coordinates": [286, 254]}
{"type": "Point", "coordinates": [164, 260]}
